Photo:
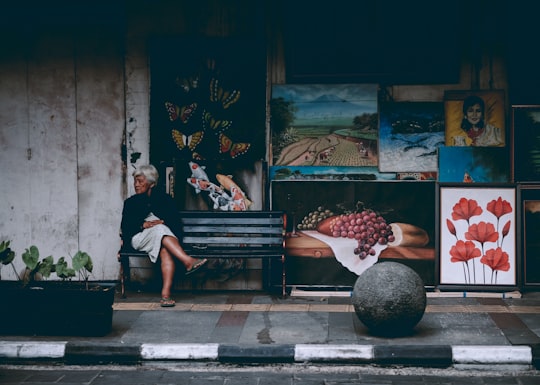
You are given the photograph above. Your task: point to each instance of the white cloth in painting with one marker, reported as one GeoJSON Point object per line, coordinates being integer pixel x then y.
{"type": "Point", "coordinates": [149, 240]}
{"type": "Point", "coordinates": [343, 249]}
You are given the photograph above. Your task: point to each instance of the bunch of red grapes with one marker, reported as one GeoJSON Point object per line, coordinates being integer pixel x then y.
{"type": "Point", "coordinates": [367, 227]}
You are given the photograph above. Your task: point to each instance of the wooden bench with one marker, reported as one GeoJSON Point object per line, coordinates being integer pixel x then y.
{"type": "Point", "coordinates": [225, 234]}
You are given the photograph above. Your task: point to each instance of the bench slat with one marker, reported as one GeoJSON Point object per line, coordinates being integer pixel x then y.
{"type": "Point", "coordinates": [227, 242]}
{"type": "Point", "coordinates": [232, 221]}
{"type": "Point", "coordinates": [233, 230]}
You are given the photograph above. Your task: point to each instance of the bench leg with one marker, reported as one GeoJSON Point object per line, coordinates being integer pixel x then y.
{"type": "Point", "coordinates": [124, 274]}
{"type": "Point", "coordinates": [283, 278]}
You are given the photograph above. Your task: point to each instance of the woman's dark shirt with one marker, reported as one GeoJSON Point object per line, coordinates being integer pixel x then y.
{"type": "Point", "coordinates": [139, 206]}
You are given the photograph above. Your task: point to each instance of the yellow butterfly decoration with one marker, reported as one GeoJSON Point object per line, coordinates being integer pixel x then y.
{"type": "Point", "coordinates": [218, 94]}
{"type": "Point", "coordinates": [234, 149]}
{"type": "Point", "coordinates": [215, 124]}
{"type": "Point", "coordinates": [190, 141]}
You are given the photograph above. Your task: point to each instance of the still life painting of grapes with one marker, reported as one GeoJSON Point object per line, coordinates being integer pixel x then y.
{"type": "Point", "coordinates": [478, 236]}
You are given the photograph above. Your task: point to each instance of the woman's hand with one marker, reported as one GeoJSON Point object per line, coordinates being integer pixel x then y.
{"type": "Point", "coordinates": [148, 224]}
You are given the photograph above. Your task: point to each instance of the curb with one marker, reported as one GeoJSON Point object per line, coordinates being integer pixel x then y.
{"type": "Point", "coordinates": [441, 356]}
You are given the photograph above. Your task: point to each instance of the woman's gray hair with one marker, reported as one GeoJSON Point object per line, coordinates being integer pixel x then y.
{"type": "Point", "coordinates": [149, 172]}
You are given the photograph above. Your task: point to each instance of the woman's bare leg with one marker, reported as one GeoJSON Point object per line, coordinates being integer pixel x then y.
{"type": "Point", "coordinates": [174, 248]}
{"type": "Point", "coordinates": [167, 272]}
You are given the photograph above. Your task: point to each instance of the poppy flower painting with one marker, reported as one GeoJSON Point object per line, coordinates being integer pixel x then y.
{"type": "Point", "coordinates": [477, 236]}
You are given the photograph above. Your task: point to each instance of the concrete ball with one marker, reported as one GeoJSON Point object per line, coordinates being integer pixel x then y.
{"type": "Point", "coordinates": [389, 298]}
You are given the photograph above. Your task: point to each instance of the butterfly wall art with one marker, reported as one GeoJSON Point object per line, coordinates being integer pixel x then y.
{"type": "Point", "coordinates": [226, 145]}
{"type": "Point", "coordinates": [207, 102]}
{"type": "Point", "coordinates": [202, 119]}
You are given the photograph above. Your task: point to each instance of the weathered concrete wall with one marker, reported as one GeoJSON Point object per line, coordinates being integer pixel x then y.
{"type": "Point", "coordinates": [61, 126]}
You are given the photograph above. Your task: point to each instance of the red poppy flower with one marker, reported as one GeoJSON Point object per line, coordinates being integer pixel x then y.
{"type": "Point", "coordinates": [506, 229]}
{"type": "Point", "coordinates": [499, 207]}
{"type": "Point", "coordinates": [482, 232]}
{"type": "Point", "coordinates": [465, 209]}
{"type": "Point", "coordinates": [463, 251]}
{"type": "Point", "coordinates": [496, 259]}
{"type": "Point", "coordinates": [451, 226]}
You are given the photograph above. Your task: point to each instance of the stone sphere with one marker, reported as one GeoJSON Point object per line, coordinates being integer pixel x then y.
{"type": "Point", "coordinates": [389, 298]}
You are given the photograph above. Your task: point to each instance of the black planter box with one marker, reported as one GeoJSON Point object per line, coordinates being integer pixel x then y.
{"type": "Point", "coordinates": [56, 308]}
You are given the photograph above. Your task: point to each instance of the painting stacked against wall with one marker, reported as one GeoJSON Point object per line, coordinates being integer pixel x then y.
{"type": "Point", "coordinates": [337, 147]}
{"type": "Point", "coordinates": [475, 138]}
{"type": "Point", "coordinates": [410, 134]}
{"type": "Point", "coordinates": [478, 236]}
{"type": "Point", "coordinates": [336, 229]}
{"type": "Point", "coordinates": [322, 131]}
{"type": "Point", "coordinates": [526, 172]}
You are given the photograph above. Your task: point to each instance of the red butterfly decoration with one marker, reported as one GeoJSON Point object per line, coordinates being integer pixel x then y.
{"type": "Point", "coordinates": [234, 149]}
{"type": "Point", "coordinates": [184, 112]}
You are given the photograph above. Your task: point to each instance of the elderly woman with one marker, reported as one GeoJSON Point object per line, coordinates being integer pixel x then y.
{"type": "Point", "coordinates": [150, 222]}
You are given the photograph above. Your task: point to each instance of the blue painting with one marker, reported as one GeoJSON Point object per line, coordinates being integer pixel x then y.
{"type": "Point", "coordinates": [324, 125]}
{"type": "Point", "coordinates": [474, 164]}
{"type": "Point", "coordinates": [409, 135]}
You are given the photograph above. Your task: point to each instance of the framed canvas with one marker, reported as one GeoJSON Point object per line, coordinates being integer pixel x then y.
{"type": "Point", "coordinates": [475, 118]}
{"type": "Point", "coordinates": [474, 164]}
{"type": "Point", "coordinates": [526, 138]}
{"type": "Point", "coordinates": [529, 198]}
{"type": "Point", "coordinates": [324, 125]}
{"type": "Point", "coordinates": [477, 245]}
{"type": "Point", "coordinates": [315, 257]}
{"type": "Point", "coordinates": [409, 135]}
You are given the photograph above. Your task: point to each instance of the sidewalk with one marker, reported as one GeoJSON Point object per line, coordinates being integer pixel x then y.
{"type": "Point", "coordinates": [256, 327]}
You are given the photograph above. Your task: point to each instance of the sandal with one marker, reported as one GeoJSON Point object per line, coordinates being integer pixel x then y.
{"type": "Point", "coordinates": [196, 266]}
{"type": "Point", "coordinates": [167, 302]}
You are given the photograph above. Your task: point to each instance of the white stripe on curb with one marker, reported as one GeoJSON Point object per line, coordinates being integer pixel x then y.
{"type": "Point", "coordinates": [485, 354]}
{"type": "Point", "coordinates": [32, 350]}
{"type": "Point", "coordinates": [179, 351]}
{"type": "Point", "coordinates": [305, 352]}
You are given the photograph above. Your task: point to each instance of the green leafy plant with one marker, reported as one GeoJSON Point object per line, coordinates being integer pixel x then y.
{"type": "Point", "coordinates": [7, 255]}
{"type": "Point", "coordinates": [81, 263]}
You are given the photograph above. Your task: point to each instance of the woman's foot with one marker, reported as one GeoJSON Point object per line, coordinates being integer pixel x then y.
{"type": "Point", "coordinates": [167, 302]}
{"type": "Point", "coordinates": [196, 266]}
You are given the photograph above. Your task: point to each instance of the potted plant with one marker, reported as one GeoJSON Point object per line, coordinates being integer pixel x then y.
{"type": "Point", "coordinates": [35, 305]}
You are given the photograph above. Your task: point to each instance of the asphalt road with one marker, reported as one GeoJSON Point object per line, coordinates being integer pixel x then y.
{"type": "Point", "coordinates": [211, 374]}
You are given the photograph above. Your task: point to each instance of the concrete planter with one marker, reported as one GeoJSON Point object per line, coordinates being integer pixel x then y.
{"type": "Point", "coordinates": [56, 308]}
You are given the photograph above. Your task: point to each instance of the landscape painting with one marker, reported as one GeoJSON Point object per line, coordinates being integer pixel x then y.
{"type": "Point", "coordinates": [324, 125]}
{"type": "Point", "coordinates": [409, 135]}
